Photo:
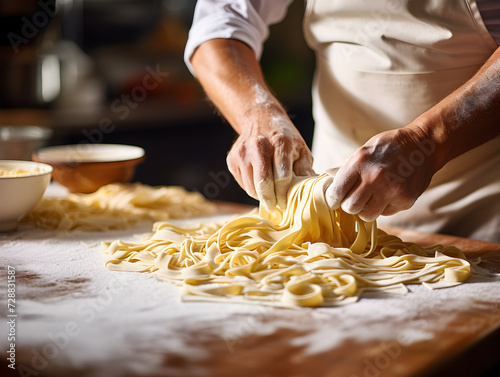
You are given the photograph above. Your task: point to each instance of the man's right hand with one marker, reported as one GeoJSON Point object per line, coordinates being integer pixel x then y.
{"type": "Point", "coordinates": [266, 155]}
{"type": "Point", "coordinates": [269, 149]}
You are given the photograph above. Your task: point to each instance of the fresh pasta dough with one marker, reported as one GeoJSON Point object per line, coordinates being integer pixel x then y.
{"type": "Point", "coordinates": [117, 206]}
{"type": "Point", "coordinates": [308, 255]}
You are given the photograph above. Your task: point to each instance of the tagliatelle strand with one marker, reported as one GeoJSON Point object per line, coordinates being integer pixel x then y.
{"type": "Point", "coordinates": [307, 256]}
{"type": "Point", "coordinates": [117, 206]}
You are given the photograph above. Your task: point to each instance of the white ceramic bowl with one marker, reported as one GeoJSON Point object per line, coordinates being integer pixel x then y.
{"type": "Point", "coordinates": [18, 195]}
{"type": "Point", "coordinates": [83, 168]}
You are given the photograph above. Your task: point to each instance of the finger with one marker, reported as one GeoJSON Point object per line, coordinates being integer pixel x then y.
{"type": "Point", "coordinates": [235, 171]}
{"type": "Point", "coordinates": [390, 210]}
{"type": "Point", "coordinates": [281, 187]}
{"type": "Point", "coordinates": [356, 200]}
{"type": "Point", "coordinates": [266, 195]}
{"type": "Point", "coordinates": [343, 182]}
{"type": "Point", "coordinates": [332, 171]}
{"type": "Point", "coordinates": [247, 181]}
{"type": "Point", "coordinates": [264, 183]}
{"type": "Point", "coordinates": [282, 176]}
{"type": "Point", "coordinates": [302, 167]}
{"type": "Point", "coordinates": [243, 173]}
{"type": "Point", "coordinates": [373, 209]}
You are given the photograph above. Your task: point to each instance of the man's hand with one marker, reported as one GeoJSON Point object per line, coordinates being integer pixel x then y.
{"type": "Point", "coordinates": [389, 172]}
{"type": "Point", "coordinates": [266, 155]}
{"type": "Point", "coordinates": [269, 149]}
{"type": "Point", "coordinates": [386, 175]}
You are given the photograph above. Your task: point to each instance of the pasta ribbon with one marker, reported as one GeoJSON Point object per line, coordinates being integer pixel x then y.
{"type": "Point", "coordinates": [309, 255]}
{"type": "Point", "coordinates": [117, 206]}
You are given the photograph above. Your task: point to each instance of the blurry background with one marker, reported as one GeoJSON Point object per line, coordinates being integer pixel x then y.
{"type": "Point", "coordinates": [112, 71]}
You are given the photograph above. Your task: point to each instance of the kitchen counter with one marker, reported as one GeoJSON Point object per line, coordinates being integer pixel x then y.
{"type": "Point", "coordinates": [76, 318]}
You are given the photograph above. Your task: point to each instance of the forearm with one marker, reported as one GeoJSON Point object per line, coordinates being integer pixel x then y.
{"type": "Point", "coordinates": [468, 117]}
{"type": "Point", "coordinates": [374, 182]}
{"type": "Point", "coordinates": [232, 78]}
{"type": "Point", "coordinates": [269, 149]}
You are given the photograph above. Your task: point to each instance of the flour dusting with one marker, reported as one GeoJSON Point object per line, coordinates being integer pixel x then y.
{"type": "Point", "coordinates": [114, 323]}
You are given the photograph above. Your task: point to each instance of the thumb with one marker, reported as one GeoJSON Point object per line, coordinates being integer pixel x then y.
{"type": "Point", "coordinates": [331, 172]}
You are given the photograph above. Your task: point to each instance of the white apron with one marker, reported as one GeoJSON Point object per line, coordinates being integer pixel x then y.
{"type": "Point", "coordinates": [382, 63]}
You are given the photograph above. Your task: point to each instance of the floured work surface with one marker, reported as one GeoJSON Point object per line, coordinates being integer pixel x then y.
{"type": "Point", "coordinates": [77, 318]}
{"type": "Point", "coordinates": [307, 255]}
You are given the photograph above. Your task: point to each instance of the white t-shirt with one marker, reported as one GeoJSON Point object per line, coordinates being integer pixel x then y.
{"type": "Point", "coordinates": [463, 197]}
{"type": "Point", "coordinates": [249, 20]}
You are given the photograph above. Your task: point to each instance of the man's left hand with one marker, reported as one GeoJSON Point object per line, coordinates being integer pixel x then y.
{"type": "Point", "coordinates": [386, 175]}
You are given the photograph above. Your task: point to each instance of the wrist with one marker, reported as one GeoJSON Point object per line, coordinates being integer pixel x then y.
{"type": "Point", "coordinates": [433, 139]}
{"type": "Point", "coordinates": [267, 118]}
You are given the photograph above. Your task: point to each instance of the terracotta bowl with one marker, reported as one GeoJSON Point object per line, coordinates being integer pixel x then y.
{"type": "Point", "coordinates": [19, 194]}
{"type": "Point", "coordinates": [83, 168]}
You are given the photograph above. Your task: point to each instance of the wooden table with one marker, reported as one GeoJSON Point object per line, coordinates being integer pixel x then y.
{"type": "Point", "coordinates": [75, 318]}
